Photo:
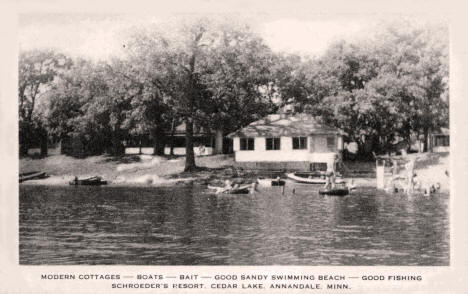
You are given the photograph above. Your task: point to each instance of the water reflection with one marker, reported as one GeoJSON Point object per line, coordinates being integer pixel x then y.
{"type": "Point", "coordinates": [184, 225]}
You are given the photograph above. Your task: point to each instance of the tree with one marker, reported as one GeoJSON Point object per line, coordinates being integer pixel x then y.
{"type": "Point", "coordinates": [37, 71]}
{"type": "Point", "coordinates": [111, 106]}
{"type": "Point", "coordinates": [417, 56]}
{"type": "Point", "coordinates": [380, 90]}
{"type": "Point", "coordinates": [68, 94]}
{"type": "Point", "coordinates": [168, 62]}
{"type": "Point", "coordinates": [237, 73]}
{"type": "Point", "coordinates": [90, 103]}
{"type": "Point", "coordinates": [208, 73]}
{"type": "Point", "coordinates": [148, 113]}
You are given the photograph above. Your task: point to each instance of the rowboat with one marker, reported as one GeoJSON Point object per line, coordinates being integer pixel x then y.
{"type": "Point", "coordinates": [92, 181]}
{"type": "Point", "coordinates": [311, 178]}
{"type": "Point", "coordinates": [341, 191]}
{"type": "Point", "coordinates": [268, 182]}
{"type": "Point", "coordinates": [32, 176]}
{"type": "Point", "coordinates": [245, 189]}
{"type": "Point", "coordinates": [240, 190]}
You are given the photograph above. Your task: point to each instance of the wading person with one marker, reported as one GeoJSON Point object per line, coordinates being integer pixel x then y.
{"type": "Point", "coordinates": [329, 180]}
{"type": "Point", "coordinates": [330, 174]}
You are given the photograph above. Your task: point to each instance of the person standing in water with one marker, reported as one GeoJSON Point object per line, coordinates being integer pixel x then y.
{"type": "Point", "coordinates": [330, 175]}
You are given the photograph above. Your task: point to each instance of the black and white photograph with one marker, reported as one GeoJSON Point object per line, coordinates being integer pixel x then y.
{"type": "Point", "coordinates": [233, 139]}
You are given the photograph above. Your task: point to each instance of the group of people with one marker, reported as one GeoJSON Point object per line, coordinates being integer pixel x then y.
{"type": "Point", "coordinates": [413, 183]}
{"type": "Point", "coordinates": [416, 185]}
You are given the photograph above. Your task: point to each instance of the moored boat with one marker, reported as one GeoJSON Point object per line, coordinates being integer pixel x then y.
{"type": "Point", "coordinates": [32, 176]}
{"type": "Point", "coordinates": [245, 189]}
{"type": "Point", "coordinates": [92, 181]}
{"type": "Point", "coordinates": [240, 190]}
{"type": "Point", "coordinates": [311, 178]}
{"type": "Point", "coordinates": [339, 191]}
{"type": "Point", "coordinates": [268, 182]}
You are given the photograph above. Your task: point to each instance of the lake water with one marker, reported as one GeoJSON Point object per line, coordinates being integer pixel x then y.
{"type": "Point", "coordinates": [189, 226]}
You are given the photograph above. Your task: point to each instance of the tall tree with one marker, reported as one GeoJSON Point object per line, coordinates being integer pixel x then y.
{"type": "Point", "coordinates": [416, 59]}
{"type": "Point", "coordinates": [37, 71]}
{"type": "Point", "coordinates": [90, 103]}
{"type": "Point", "coordinates": [237, 73]}
{"type": "Point", "coordinates": [170, 62]}
{"type": "Point", "coordinates": [149, 113]}
{"type": "Point", "coordinates": [206, 71]}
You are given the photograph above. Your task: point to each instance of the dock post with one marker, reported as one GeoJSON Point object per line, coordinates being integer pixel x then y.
{"type": "Point", "coordinates": [253, 187]}
{"type": "Point", "coordinates": [380, 174]}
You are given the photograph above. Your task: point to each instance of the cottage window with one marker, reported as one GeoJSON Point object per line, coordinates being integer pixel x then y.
{"type": "Point", "coordinates": [299, 142]}
{"type": "Point", "coordinates": [331, 145]}
{"type": "Point", "coordinates": [247, 144]}
{"type": "Point", "coordinates": [273, 143]}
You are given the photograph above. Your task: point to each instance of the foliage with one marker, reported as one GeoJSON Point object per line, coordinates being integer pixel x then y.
{"type": "Point", "coordinates": [207, 72]}
{"type": "Point", "coordinates": [236, 70]}
{"type": "Point", "coordinates": [379, 91]}
{"type": "Point", "coordinates": [219, 74]}
{"type": "Point", "coordinates": [36, 73]}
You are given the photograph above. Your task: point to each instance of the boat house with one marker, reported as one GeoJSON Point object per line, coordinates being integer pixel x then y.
{"type": "Point", "coordinates": [286, 141]}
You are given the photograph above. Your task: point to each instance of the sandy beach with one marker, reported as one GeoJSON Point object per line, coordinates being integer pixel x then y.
{"type": "Point", "coordinates": [127, 170]}
{"type": "Point", "coordinates": [163, 171]}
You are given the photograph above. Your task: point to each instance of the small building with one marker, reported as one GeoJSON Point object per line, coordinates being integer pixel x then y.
{"type": "Point", "coordinates": [203, 142]}
{"type": "Point", "coordinates": [285, 141]}
{"type": "Point", "coordinates": [439, 141]}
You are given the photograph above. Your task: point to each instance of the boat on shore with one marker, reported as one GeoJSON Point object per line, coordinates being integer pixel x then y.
{"type": "Point", "coordinates": [92, 181]}
{"type": "Point", "coordinates": [311, 178]}
{"type": "Point", "coordinates": [32, 176]}
{"type": "Point", "coordinates": [269, 182]}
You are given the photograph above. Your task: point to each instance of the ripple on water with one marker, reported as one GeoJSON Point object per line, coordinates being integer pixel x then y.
{"type": "Point", "coordinates": [184, 225]}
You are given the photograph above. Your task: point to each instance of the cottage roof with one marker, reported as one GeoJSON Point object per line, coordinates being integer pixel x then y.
{"type": "Point", "coordinates": [444, 131]}
{"type": "Point", "coordinates": [276, 125]}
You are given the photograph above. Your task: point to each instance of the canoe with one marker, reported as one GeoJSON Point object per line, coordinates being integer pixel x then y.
{"type": "Point", "coordinates": [239, 190]}
{"type": "Point", "coordinates": [268, 182]}
{"type": "Point", "coordinates": [217, 189]}
{"type": "Point", "coordinates": [342, 191]}
{"type": "Point", "coordinates": [306, 178]}
{"type": "Point", "coordinates": [93, 181]}
{"type": "Point", "coordinates": [32, 176]}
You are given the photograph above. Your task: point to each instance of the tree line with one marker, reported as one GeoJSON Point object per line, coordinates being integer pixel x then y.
{"type": "Point", "coordinates": [219, 75]}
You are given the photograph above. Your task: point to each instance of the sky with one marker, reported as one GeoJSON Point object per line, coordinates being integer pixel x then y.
{"type": "Point", "coordinates": [100, 36]}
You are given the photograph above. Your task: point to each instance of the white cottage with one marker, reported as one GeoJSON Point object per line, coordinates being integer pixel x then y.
{"type": "Point", "coordinates": [282, 141]}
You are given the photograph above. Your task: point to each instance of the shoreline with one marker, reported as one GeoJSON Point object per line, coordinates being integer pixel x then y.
{"type": "Point", "coordinates": [361, 182]}
{"type": "Point", "coordinates": [157, 171]}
